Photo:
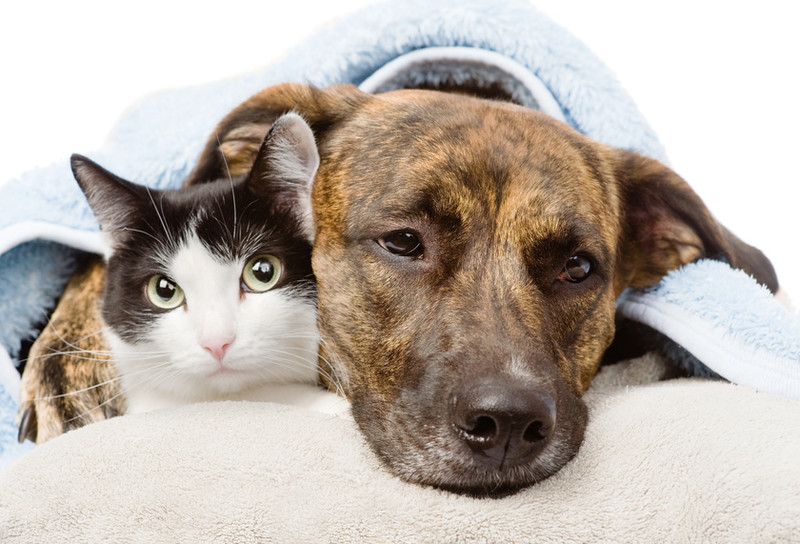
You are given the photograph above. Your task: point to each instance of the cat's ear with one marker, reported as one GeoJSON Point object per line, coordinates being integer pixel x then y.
{"type": "Point", "coordinates": [285, 167]}
{"type": "Point", "coordinates": [115, 202]}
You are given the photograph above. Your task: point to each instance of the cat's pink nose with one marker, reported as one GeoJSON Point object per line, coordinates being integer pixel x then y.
{"type": "Point", "coordinates": [217, 347]}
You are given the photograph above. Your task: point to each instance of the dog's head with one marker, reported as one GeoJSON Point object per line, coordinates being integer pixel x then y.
{"type": "Point", "coordinates": [468, 255]}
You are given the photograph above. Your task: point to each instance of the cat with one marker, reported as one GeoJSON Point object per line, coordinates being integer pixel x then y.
{"type": "Point", "coordinates": [209, 290]}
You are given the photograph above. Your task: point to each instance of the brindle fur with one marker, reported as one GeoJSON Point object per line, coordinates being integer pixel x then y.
{"type": "Point", "coordinates": [70, 355]}
{"type": "Point", "coordinates": [501, 196]}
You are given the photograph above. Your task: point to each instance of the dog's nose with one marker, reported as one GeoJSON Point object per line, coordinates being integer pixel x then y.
{"type": "Point", "coordinates": [506, 423]}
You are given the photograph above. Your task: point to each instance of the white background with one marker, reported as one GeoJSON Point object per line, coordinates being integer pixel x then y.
{"type": "Point", "coordinates": [717, 80]}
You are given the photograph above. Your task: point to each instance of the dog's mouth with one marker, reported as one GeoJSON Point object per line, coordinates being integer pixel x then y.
{"type": "Point", "coordinates": [487, 437]}
{"type": "Point", "coordinates": [465, 70]}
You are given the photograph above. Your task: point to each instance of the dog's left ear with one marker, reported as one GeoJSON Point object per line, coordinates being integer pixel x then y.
{"type": "Point", "coordinates": [666, 225]}
{"type": "Point", "coordinates": [232, 148]}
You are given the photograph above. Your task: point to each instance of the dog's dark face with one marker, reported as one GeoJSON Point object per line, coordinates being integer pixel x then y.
{"type": "Point", "coordinates": [466, 292]}
{"type": "Point", "coordinates": [468, 256]}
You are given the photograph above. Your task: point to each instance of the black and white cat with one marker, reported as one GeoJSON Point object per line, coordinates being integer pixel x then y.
{"type": "Point", "coordinates": [209, 291]}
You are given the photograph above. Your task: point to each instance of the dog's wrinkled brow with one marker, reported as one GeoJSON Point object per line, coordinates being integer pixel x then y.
{"type": "Point", "coordinates": [431, 205]}
{"type": "Point", "coordinates": [558, 236]}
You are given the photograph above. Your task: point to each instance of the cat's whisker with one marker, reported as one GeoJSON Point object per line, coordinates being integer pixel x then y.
{"type": "Point", "coordinates": [84, 414]}
{"type": "Point", "coordinates": [290, 360]}
{"type": "Point", "coordinates": [98, 332]}
{"type": "Point", "coordinates": [74, 344]}
{"type": "Point", "coordinates": [230, 181]}
{"type": "Point", "coordinates": [78, 391]}
{"type": "Point", "coordinates": [146, 355]}
{"type": "Point", "coordinates": [98, 356]}
{"type": "Point", "coordinates": [160, 214]}
{"type": "Point", "coordinates": [290, 335]}
{"type": "Point", "coordinates": [152, 374]}
{"type": "Point", "coordinates": [332, 374]}
{"type": "Point", "coordinates": [241, 214]}
{"type": "Point", "coordinates": [294, 360]}
{"type": "Point", "coordinates": [138, 231]}
{"type": "Point", "coordinates": [102, 357]}
{"type": "Point", "coordinates": [225, 248]}
{"type": "Point", "coordinates": [331, 377]}
{"type": "Point", "coordinates": [146, 371]}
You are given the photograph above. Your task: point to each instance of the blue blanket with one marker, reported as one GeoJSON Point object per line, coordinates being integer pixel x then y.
{"type": "Point", "coordinates": [46, 222]}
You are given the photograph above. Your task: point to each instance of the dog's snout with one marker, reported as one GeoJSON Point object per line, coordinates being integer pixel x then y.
{"type": "Point", "coordinates": [503, 422]}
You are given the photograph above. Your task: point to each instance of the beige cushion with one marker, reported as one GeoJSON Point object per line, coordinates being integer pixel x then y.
{"type": "Point", "coordinates": [677, 461]}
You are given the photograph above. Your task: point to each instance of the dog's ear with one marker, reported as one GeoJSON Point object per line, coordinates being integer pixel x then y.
{"type": "Point", "coordinates": [232, 148]}
{"type": "Point", "coordinates": [666, 225]}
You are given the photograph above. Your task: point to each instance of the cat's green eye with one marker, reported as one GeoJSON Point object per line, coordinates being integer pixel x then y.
{"type": "Point", "coordinates": [261, 273]}
{"type": "Point", "coordinates": [164, 293]}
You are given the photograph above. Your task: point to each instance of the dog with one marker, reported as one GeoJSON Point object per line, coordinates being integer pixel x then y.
{"type": "Point", "coordinates": [468, 255]}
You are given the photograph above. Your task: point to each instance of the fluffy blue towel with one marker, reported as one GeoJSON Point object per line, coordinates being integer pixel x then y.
{"type": "Point", "coordinates": [722, 323]}
{"type": "Point", "coordinates": [46, 221]}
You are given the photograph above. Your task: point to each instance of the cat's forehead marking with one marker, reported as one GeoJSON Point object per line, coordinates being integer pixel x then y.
{"type": "Point", "coordinates": [200, 272]}
{"type": "Point", "coordinates": [225, 235]}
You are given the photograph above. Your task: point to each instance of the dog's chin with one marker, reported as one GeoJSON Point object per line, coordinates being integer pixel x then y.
{"type": "Point", "coordinates": [427, 450]}
{"type": "Point", "coordinates": [484, 482]}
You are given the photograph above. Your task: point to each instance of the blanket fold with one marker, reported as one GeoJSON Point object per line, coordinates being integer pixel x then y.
{"type": "Point", "coordinates": [643, 474]}
{"type": "Point", "coordinates": [748, 338]}
{"type": "Point", "coordinates": [157, 142]}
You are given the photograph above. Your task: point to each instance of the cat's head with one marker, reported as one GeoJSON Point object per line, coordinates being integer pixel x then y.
{"type": "Point", "coordinates": [209, 288]}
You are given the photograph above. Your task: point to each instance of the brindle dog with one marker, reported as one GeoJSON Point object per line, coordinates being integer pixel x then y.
{"type": "Point", "coordinates": [468, 256]}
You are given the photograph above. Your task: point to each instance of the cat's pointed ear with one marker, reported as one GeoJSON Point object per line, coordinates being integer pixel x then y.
{"type": "Point", "coordinates": [115, 202]}
{"type": "Point", "coordinates": [285, 167]}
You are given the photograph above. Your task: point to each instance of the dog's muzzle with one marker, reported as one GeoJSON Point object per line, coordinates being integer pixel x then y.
{"type": "Point", "coordinates": [504, 423]}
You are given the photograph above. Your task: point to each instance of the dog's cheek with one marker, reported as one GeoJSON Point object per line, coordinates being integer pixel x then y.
{"type": "Point", "coordinates": [338, 315]}
{"type": "Point", "coordinates": [589, 351]}
{"type": "Point", "coordinates": [586, 329]}
{"type": "Point", "coordinates": [391, 350]}
{"type": "Point", "coordinates": [365, 321]}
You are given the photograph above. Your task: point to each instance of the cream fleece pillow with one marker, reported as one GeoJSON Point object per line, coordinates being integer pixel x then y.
{"type": "Point", "coordinates": [678, 461]}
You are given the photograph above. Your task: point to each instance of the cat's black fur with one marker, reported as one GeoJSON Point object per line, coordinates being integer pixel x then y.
{"type": "Point", "coordinates": [264, 223]}
{"type": "Point", "coordinates": [264, 212]}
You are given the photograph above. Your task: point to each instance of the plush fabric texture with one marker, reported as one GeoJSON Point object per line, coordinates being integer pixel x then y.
{"type": "Point", "coordinates": [681, 461]}
{"type": "Point", "coordinates": [733, 326]}
{"type": "Point", "coordinates": [158, 141]}
{"type": "Point", "coordinates": [727, 473]}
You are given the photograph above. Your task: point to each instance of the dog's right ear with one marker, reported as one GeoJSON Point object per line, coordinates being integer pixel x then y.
{"type": "Point", "coordinates": [667, 225]}
{"type": "Point", "coordinates": [232, 148]}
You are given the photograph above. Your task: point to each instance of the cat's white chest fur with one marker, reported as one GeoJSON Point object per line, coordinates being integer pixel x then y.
{"type": "Point", "coordinates": [223, 343]}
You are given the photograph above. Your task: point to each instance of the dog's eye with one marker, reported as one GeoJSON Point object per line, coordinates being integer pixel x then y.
{"type": "Point", "coordinates": [577, 269]}
{"type": "Point", "coordinates": [403, 243]}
